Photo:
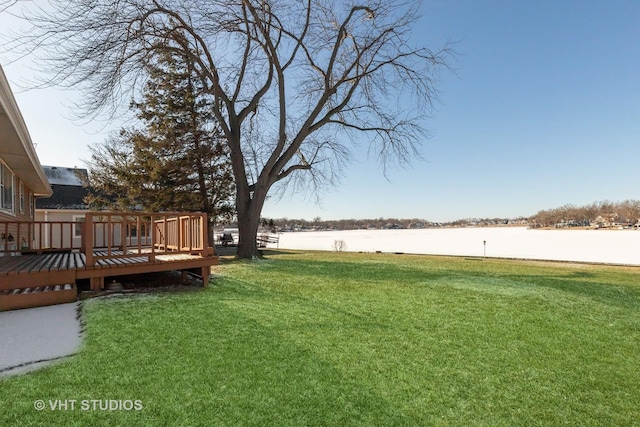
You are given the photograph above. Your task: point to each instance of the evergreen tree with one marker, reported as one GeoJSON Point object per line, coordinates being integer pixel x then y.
{"type": "Point", "coordinates": [176, 161]}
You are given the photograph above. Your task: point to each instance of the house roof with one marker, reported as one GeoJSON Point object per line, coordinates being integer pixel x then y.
{"type": "Point", "coordinates": [16, 149]}
{"type": "Point", "coordinates": [68, 191]}
{"type": "Point", "coordinates": [57, 175]}
{"type": "Point", "coordinates": [69, 197]}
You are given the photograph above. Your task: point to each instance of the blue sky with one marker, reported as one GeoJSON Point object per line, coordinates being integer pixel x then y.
{"type": "Point", "coordinates": [542, 110]}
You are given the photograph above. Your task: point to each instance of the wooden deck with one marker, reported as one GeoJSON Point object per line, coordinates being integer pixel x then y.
{"type": "Point", "coordinates": [39, 275]}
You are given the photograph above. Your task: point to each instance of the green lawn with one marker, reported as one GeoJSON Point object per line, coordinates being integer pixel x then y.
{"type": "Point", "coordinates": [358, 339]}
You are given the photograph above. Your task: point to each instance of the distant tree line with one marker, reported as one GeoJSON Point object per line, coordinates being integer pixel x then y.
{"type": "Point", "coordinates": [625, 212]}
{"type": "Point", "coordinates": [605, 212]}
{"type": "Point", "coordinates": [286, 224]}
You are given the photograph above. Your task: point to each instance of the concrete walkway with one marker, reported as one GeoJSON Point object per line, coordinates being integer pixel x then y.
{"type": "Point", "coordinates": [36, 337]}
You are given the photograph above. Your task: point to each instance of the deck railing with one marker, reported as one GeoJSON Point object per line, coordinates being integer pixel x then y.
{"type": "Point", "coordinates": [110, 235]}
{"type": "Point", "coordinates": [39, 236]}
{"type": "Point", "coordinates": [115, 235]}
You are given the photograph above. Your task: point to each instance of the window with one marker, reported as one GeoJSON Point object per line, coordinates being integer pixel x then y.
{"type": "Point", "coordinates": [21, 188]}
{"type": "Point", "coordinates": [6, 189]}
{"type": "Point", "coordinates": [77, 227]}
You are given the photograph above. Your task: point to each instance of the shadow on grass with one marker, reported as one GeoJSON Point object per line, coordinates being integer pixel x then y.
{"type": "Point", "coordinates": [363, 271]}
{"type": "Point", "coordinates": [229, 253]}
{"type": "Point", "coordinates": [275, 252]}
{"type": "Point", "coordinates": [598, 286]}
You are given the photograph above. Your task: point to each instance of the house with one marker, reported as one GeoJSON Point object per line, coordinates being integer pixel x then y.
{"type": "Point", "coordinates": [22, 178]}
{"type": "Point", "coordinates": [606, 220]}
{"type": "Point", "coordinates": [66, 204]}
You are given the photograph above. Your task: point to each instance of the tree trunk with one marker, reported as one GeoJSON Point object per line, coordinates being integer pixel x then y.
{"type": "Point", "coordinates": [249, 208]}
{"type": "Point", "coordinates": [247, 233]}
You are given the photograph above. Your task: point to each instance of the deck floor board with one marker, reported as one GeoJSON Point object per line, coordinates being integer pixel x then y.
{"type": "Point", "coordinates": [22, 265]}
{"type": "Point", "coordinates": [60, 262]}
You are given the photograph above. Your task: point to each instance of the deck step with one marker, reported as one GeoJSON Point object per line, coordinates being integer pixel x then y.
{"type": "Point", "coordinates": [37, 296]}
{"type": "Point", "coordinates": [38, 289]}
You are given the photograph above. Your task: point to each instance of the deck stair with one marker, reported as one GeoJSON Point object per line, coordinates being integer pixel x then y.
{"type": "Point", "coordinates": [37, 296]}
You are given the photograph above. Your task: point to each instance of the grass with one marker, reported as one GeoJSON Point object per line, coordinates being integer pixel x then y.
{"type": "Point", "coordinates": [358, 339]}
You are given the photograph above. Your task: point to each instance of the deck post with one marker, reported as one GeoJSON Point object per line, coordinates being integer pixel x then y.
{"type": "Point", "coordinates": [151, 230]}
{"type": "Point", "coordinates": [206, 272]}
{"type": "Point", "coordinates": [87, 239]}
{"type": "Point", "coordinates": [204, 234]}
{"type": "Point", "coordinates": [166, 232]}
{"type": "Point", "coordinates": [123, 233]}
{"type": "Point", "coordinates": [139, 232]}
{"type": "Point", "coordinates": [110, 232]}
{"type": "Point", "coordinates": [180, 225]}
{"type": "Point", "coordinates": [97, 283]}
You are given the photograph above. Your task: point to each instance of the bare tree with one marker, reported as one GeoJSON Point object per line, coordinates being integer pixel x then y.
{"type": "Point", "coordinates": [296, 82]}
{"type": "Point", "coordinates": [339, 245]}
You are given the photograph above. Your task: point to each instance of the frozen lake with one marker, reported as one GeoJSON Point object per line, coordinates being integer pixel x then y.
{"type": "Point", "coordinates": [603, 246]}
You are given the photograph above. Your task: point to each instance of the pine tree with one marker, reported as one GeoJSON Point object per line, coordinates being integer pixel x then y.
{"type": "Point", "coordinates": [175, 161]}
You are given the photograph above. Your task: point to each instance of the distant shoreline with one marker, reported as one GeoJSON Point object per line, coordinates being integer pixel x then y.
{"type": "Point", "coordinates": [463, 228]}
